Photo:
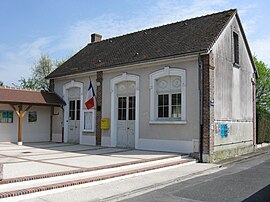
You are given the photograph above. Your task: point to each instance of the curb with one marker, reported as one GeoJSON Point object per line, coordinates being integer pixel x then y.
{"type": "Point", "coordinates": [257, 152]}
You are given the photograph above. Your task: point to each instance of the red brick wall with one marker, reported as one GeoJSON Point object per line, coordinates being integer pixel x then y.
{"type": "Point", "coordinates": [207, 109]}
{"type": "Point", "coordinates": [99, 107]}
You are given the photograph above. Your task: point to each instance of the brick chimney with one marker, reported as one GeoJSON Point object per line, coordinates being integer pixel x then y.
{"type": "Point", "coordinates": [95, 37]}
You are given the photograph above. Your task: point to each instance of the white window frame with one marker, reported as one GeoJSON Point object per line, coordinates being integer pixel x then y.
{"type": "Point", "coordinates": [93, 111]}
{"type": "Point", "coordinates": [167, 71]}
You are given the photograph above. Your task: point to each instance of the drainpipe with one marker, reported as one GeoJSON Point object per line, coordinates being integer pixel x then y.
{"type": "Point", "coordinates": [201, 105]}
{"type": "Point", "coordinates": [255, 137]}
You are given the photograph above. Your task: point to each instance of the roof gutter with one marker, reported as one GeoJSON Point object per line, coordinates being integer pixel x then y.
{"type": "Point", "coordinates": [32, 103]}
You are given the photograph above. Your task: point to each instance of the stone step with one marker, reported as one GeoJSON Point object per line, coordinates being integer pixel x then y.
{"type": "Point", "coordinates": [97, 168]}
{"type": "Point", "coordinates": [86, 174]}
{"type": "Point", "coordinates": [49, 183]}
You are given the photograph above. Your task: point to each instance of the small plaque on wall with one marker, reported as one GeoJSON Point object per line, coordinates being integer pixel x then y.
{"type": "Point", "coordinates": [32, 116]}
{"type": "Point", "coordinates": [105, 123]}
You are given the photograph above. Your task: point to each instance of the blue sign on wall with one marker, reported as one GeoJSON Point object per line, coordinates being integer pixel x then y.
{"type": "Point", "coordinates": [224, 130]}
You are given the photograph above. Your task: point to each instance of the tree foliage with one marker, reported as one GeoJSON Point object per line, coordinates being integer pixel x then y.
{"type": "Point", "coordinates": [28, 83]}
{"type": "Point", "coordinates": [262, 85]}
{"type": "Point", "coordinates": [43, 67]}
{"type": "Point", "coordinates": [1, 83]}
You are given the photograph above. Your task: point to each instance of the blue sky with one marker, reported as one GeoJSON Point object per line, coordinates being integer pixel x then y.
{"type": "Point", "coordinates": [59, 28]}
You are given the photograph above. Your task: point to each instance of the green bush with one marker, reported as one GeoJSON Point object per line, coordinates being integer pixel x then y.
{"type": "Point", "coordinates": [263, 125]}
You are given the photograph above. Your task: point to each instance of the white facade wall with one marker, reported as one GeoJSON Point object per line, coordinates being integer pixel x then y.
{"type": "Point", "coordinates": [233, 100]}
{"type": "Point", "coordinates": [32, 131]}
{"type": "Point", "coordinates": [166, 137]}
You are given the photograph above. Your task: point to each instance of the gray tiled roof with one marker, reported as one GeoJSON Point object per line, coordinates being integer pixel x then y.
{"type": "Point", "coordinates": [185, 37]}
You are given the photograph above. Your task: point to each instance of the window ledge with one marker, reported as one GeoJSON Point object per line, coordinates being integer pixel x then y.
{"type": "Point", "coordinates": [236, 65]}
{"type": "Point", "coordinates": [168, 122]}
{"type": "Point", "coordinates": [88, 131]}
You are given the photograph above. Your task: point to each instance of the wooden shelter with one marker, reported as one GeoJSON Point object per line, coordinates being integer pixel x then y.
{"type": "Point", "coordinates": [22, 100]}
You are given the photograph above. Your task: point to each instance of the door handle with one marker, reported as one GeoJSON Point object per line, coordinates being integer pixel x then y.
{"type": "Point", "coordinates": [76, 127]}
{"type": "Point", "coordinates": [128, 128]}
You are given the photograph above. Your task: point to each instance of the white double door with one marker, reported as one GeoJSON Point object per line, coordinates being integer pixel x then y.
{"type": "Point", "coordinates": [126, 108]}
{"type": "Point", "coordinates": [74, 122]}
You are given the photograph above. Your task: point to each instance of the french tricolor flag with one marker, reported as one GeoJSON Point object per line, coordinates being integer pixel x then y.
{"type": "Point", "coordinates": [90, 103]}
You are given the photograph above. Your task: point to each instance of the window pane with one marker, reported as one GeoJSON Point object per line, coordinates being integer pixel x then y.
{"type": "Point", "coordinates": [176, 99]}
{"type": "Point", "coordinates": [236, 47]}
{"type": "Point", "coordinates": [160, 112]}
{"type": "Point", "coordinates": [120, 114]}
{"type": "Point", "coordinates": [72, 110]}
{"type": "Point", "coordinates": [166, 99]}
{"type": "Point", "coordinates": [166, 111]}
{"type": "Point", "coordinates": [131, 102]}
{"type": "Point", "coordinates": [72, 105]}
{"type": "Point", "coordinates": [160, 100]}
{"type": "Point", "coordinates": [78, 110]}
{"type": "Point", "coordinates": [122, 108]}
{"type": "Point", "coordinates": [131, 110]}
{"type": "Point", "coordinates": [176, 111]}
{"type": "Point", "coordinates": [78, 104]}
{"type": "Point", "coordinates": [72, 115]}
{"type": "Point", "coordinates": [124, 102]}
{"type": "Point", "coordinates": [119, 102]}
{"type": "Point", "coordinates": [176, 105]}
{"type": "Point", "coordinates": [124, 114]}
{"type": "Point", "coordinates": [163, 106]}
{"type": "Point", "coordinates": [131, 114]}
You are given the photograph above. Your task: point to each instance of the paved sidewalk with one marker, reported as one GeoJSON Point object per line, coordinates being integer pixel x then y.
{"type": "Point", "coordinates": [46, 158]}
{"type": "Point", "coordinates": [124, 187]}
{"type": "Point", "coordinates": [119, 188]}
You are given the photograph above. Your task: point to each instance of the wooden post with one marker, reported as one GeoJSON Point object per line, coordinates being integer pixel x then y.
{"type": "Point", "coordinates": [20, 113]}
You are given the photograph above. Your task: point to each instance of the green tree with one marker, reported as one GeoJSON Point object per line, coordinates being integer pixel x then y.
{"type": "Point", "coordinates": [43, 67]}
{"type": "Point", "coordinates": [28, 83]}
{"type": "Point", "coordinates": [1, 83]}
{"type": "Point", "coordinates": [262, 85]}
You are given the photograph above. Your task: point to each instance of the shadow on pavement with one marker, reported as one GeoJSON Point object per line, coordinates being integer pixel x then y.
{"type": "Point", "coordinates": [262, 195]}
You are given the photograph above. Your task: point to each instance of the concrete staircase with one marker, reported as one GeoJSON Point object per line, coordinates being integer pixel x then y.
{"type": "Point", "coordinates": [11, 189]}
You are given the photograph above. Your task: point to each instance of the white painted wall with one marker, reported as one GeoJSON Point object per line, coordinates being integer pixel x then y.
{"type": "Point", "coordinates": [87, 138]}
{"type": "Point", "coordinates": [233, 100]}
{"type": "Point", "coordinates": [57, 125]}
{"type": "Point", "coordinates": [32, 132]}
{"type": "Point", "coordinates": [168, 137]}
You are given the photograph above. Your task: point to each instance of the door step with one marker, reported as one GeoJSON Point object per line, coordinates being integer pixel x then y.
{"type": "Point", "coordinates": [50, 182]}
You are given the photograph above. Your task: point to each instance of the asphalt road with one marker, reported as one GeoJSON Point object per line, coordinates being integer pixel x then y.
{"type": "Point", "coordinates": [248, 180]}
